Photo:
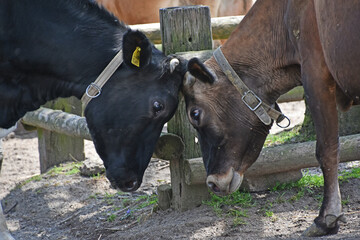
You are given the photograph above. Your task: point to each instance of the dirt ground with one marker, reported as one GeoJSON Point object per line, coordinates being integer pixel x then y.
{"type": "Point", "coordinates": [72, 207]}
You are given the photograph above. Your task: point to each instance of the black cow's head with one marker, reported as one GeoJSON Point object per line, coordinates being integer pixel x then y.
{"type": "Point", "coordinates": [59, 50]}
{"type": "Point", "coordinates": [230, 135]}
{"type": "Point", "coordinates": [126, 120]}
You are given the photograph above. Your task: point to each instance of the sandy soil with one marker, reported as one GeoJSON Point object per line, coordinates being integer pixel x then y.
{"type": "Point", "coordinates": [61, 206]}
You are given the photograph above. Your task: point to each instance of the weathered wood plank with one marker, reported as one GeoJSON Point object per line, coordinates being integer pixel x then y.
{"type": "Point", "coordinates": [194, 171]}
{"type": "Point", "coordinates": [221, 28]}
{"type": "Point", "coordinates": [280, 159]}
{"type": "Point", "coordinates": [169, 146]}
{"type": "Point", "coordinates": [151, 30]}
{"type": "Point", "coordinates": [295, 94]}
{"type": "Point", "coordinates": [58, 121]}
{"type": "Point", "coordinates": [185, 29]}
{"type": "Point", "coordinates": [164, 196]}
{"type": "Point", "coordinates": [55, 148]}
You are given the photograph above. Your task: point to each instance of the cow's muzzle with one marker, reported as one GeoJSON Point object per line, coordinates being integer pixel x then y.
{"type": "Point", "coordinates": [123, 179]}
{"type": "Point", "coordinates": [126, 186]}
{"type": "Point", "coordinates": [224, 184]}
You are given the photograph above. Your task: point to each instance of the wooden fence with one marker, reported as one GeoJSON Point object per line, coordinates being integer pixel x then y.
{"type": "Point", "coordinates": [188, 175]}
{"type": "Point", "coordinates": [221, 28]}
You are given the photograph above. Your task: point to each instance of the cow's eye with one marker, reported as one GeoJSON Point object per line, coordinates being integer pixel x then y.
{"type": "Point", "coordinates": [195, 115]}
{"type": "Point", "coordinates": [157, 107]}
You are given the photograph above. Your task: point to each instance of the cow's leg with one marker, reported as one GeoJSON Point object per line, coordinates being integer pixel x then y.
{"type": "Point", "coordinates": [320, 94]}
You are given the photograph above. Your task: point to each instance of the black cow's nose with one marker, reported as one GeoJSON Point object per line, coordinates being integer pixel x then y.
{"type": "Point", "coordinates": [212, 186]}
{"type": "Point", "coordinates": [123, 179]}
{"type": "Point", "coordinates": [130, 186]}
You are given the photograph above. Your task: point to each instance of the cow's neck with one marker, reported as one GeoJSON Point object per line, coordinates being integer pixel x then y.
{"type": "Point", "coordinates": [261, 53]}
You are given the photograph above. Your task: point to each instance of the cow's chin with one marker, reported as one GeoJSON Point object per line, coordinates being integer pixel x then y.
{"type": "Point", "coordinates": [224, 184]}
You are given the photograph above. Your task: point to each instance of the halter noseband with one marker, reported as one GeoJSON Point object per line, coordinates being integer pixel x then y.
{"type": "Point", "coordinates": [94, 88]}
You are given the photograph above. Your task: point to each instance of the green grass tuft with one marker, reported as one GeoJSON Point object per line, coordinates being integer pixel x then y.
{"type": "Point", "coordinates": [147, 201]}
{"type": "Point", "coordinates": [65, 169]}
{"type": "Point", "coordinates": [232, 205]}
{"type": "Point", "coordinates": [294, 135]}
{"type": "Point", "coordinates": [241, 199]}
{"type": "Point", "coordinates": [307, 181]}
{"type": "Point", "coordinates": [346, 175]}
{"type": "Point", "coordinates": [35, 178]}
{"type": "Point", "coordinates": [111, 218]}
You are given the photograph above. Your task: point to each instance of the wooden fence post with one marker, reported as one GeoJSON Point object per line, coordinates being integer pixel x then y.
{"type": "Point", "coordinates": [184, 195]}
{"type": "Point", "coordinates": [55, 148]}
{"type": "Point", "coordinates": [185, 29]}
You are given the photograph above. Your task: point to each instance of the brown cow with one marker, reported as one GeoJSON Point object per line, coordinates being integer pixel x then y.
{"type": "Point", "coordinates": [140, 11]}
{"type": "Point", "coordinates": [278, 45]}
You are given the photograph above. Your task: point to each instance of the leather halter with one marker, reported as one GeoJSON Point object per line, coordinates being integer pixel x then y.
{"type": "Point", "coordinates": [262, 110]}
{"type": "Point", "coordinates": [94, 88]}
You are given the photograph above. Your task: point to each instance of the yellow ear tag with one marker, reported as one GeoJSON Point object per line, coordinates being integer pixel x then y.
{"type": "Point", "coordinates": [136, 57]}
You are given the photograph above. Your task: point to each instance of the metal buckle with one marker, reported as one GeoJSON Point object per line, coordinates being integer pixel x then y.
{"type": "Point", "coordinates": [257, 98]}
{"type": "Point", "coordinates": [283, 117]}
{"type": "Point", "coordinates": [94, 86]}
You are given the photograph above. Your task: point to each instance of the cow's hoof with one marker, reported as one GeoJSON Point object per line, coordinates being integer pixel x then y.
{"type": "Point", "coordinates": [327, 226]}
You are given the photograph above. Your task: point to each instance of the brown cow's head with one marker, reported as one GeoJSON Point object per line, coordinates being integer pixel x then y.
{"type": "Point", "coordinates": [230, 135]}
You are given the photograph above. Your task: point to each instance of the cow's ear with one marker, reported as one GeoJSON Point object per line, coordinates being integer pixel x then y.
{"type": "Point", "coordinates": [137, 49]}
{"type": "Point", "coordinates": [200, 71]}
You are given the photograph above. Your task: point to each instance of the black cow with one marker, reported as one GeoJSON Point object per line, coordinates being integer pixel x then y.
{"type": "Point", "coordinates": [51, 48]}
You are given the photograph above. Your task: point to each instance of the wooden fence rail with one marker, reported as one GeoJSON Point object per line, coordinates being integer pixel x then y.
{"type": "Point", "coordinates": [275, 160]}
{"type": "Point", "coordinates": [278, 164]}
{"type": "Point", "coordinates": [221, 28]}
{"type": "Point", "coordinates": [58, 121]}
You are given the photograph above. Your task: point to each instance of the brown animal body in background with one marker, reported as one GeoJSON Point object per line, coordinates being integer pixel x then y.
{"type": "Point", "coordinates": [140, 12]}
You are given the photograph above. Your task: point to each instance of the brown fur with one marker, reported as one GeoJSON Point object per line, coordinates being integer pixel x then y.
{"type": "Point", "coordinates": [140, 11]}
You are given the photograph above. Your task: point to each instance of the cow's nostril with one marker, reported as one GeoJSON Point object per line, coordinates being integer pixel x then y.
{"type": "Point", "coordinates": [131, 185]}
{"type": "Point", "coordinates": [213, 187]}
